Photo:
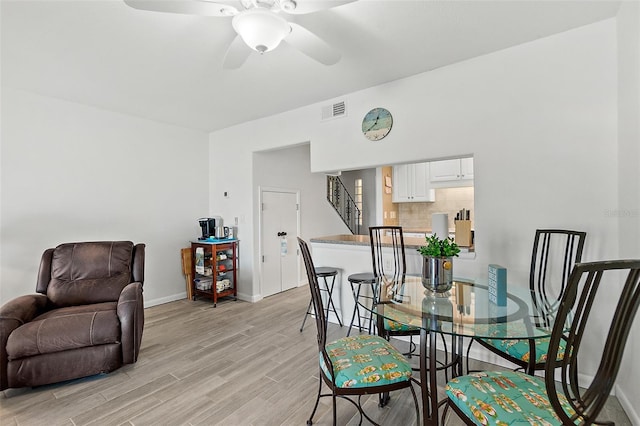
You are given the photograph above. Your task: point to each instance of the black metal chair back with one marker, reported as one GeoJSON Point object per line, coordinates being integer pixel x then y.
{"type": "Point", "coordinates": [395, 269]}
{"type": "Point", "coordinates": [389, 268]}
{"type": "Point", "coordinates": [316, 298]}
{"type": "Point", "coordinates": [555, 252]}
{"type": "Point", "coordinates": [583, 285]}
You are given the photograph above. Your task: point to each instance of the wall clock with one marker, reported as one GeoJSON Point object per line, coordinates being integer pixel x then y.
{"type": "Point", "coordinates": [377, 124]}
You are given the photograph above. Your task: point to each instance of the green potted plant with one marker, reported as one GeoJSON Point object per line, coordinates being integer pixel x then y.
{"type": "Point", "coordinates": [437, 266]}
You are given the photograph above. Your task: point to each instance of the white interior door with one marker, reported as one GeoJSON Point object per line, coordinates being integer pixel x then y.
{"type": "Point", "coordinates": [279, 244]}
{"type": "Point", "coordinates": [271, 281]}
{"type": "Point", "coordinates": [289, 226]}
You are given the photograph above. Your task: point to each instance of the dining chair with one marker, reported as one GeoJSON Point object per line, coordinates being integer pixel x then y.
{"type": "Point", "coordinates": [356, 365]}
{"type": "Point", "coordinates": [555, 252]}
{"type": "Point", "coordinates": [390, 267]}
{"type": "Point", "coordinates": [512, 397]}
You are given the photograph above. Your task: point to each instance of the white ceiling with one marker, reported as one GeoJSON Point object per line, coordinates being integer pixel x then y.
{"type": "Point", "coordinates": [167, 67]}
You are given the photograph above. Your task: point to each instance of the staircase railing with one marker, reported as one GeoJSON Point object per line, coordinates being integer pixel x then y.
{"type": "Point", "coordinates": [339, 197]}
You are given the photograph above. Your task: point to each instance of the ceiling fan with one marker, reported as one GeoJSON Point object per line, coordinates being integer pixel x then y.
{"type": "Point", "coordinates": [259, 24]}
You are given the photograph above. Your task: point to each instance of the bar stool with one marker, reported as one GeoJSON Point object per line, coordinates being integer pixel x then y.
{"type": "Point", "coordinates": [324, 272]}
{"type": "Point", "coordinates": [357, 281]}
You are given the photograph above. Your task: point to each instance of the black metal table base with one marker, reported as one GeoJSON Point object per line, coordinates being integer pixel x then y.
{"type": "Point", "coordinates": [429, 371]}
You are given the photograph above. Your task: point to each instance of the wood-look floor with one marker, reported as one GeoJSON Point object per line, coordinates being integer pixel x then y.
{"type": "Point", "coordinates": [236, 364]}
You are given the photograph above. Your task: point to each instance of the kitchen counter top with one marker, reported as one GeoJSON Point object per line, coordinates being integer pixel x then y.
{"type": "Point", "coordinates": [416, 230]}
{"type": "Point", "coordinates": [363, 240]}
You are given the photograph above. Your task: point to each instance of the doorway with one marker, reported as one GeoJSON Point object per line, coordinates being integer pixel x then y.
{"type": "Point", "coordinates": [279, 228]}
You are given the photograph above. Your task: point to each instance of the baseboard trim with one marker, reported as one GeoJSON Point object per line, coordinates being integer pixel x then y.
{"type": "Point", "coordinates": [163, 300]}
{"type": "Point", "coordinates": [627, 406]}
{"type": "Point", "coordinates": [183, 295]}
{"type": "Point", "coordinates": [250, 298]}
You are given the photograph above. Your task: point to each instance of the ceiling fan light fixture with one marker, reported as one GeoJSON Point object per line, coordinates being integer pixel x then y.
{"type": "Point", "coordinates": [261, 29]}
{"type": "Point", "coordinates": [228, 11]}
{"type": "Point", "coordinates": [288, 5]}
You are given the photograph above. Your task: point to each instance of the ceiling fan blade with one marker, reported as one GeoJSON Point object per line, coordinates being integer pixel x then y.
{"type": "Point", "coordinates": [187, 7]}
{"type": "Point", "coordinates": [312, 45]}
{"type": "Point", "coordinates": [236, 55]}
{"type": "Point", "coordinates": [309, 6]}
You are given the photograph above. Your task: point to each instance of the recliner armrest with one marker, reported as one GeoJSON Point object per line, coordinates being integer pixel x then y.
{"type": "Point", "coordinates": [137, 271]}
{"type": "Point", "coordinates": [13, 314]}
{"type": "Point", "coordinates": [24, 308]}
{"type": "Point", "coordinates": [44, 273]}
{"type": "Point", "coordinates": [130, 311]}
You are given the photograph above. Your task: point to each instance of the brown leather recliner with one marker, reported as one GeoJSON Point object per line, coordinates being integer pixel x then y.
{"type": "Point", "coordinates": [87, 317]}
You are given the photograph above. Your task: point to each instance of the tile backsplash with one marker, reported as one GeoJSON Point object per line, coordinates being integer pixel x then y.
{"type": "Point", "coordinates": [448, 200]}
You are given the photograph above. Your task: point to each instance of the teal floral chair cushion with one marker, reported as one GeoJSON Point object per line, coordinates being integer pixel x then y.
{"type": "Point", "coordinates": [401, 323]}
{"type": "Point", "coordinates": [504, 398]}
{"type": "Point", "coordinates": [519, 348]}
{"type": "Point", "coordinates": [363, 361]}
{"type": "Point", "coordinates": [396, 326]}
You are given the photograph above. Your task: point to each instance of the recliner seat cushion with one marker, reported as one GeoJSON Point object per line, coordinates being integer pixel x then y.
{"type": "Point", "coordinates": [85, 273]}
{"type": "Point", "coordinates": [66, 328]}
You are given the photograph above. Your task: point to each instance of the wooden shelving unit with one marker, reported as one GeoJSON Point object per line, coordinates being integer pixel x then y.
{"type": "Point", "coordinates": [214, 270]}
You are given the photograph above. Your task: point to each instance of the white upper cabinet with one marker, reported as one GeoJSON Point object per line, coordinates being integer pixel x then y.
{"type": "Point", "coordinates": [466, 168]}
{"type": "Point", "coordinates": [411, 184]}
{"type": "Point", "coordinates": [450, 173]}
{"type": "Point", "coordinates": [445, 170]}
{"type": "Point", "coordinates": [402, 190]}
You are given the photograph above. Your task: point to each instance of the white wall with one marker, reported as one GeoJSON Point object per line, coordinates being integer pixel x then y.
{"type": "Point", "coordinates": [231, 155]}
{"type": "Point", "coordinates": [540, 120]}
{"type": "Point", "coordinates": [77, 173]}
{"type": "Point", "coordinates": [290, 168]}
{"type": "Point", "coordinates": [628, 209]}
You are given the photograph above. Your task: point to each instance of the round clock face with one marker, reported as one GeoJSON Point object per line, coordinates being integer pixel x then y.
{"type": "Point", "coordinates": [377, 124]}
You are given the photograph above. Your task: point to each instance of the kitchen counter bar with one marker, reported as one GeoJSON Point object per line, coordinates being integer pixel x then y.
{"type": "Point", "coordinates": [410, 243]}
{"type": "Point", "coordinates": [351, 254]}
{"type": "Point", "coordinates": [363, 240]}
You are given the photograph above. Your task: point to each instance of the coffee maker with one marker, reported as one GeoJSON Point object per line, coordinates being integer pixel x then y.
{"type": "Point", "coordinates": [211, 227]}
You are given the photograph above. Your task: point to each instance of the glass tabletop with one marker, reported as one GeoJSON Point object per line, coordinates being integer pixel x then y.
{"type": "Point", "coordinates": [465, 310]}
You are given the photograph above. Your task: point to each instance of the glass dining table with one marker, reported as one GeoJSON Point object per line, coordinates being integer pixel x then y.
{"type": "Point", "coordinates": [463, 311]}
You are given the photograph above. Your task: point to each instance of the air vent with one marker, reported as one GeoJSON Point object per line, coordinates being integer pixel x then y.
{"type": "Point", "coordinates": [339, 109]}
